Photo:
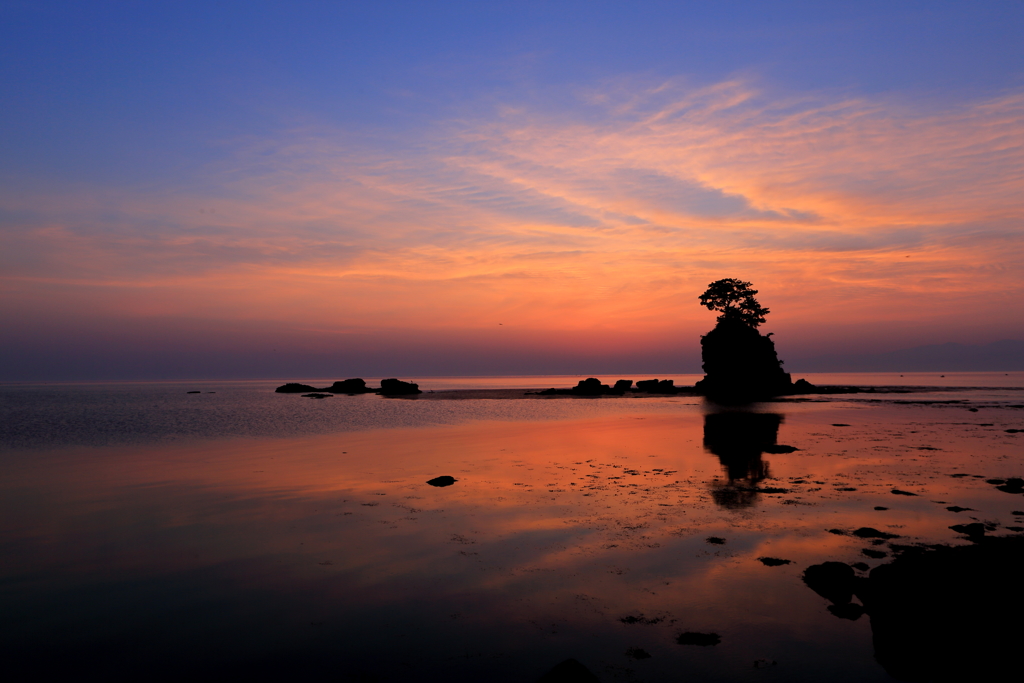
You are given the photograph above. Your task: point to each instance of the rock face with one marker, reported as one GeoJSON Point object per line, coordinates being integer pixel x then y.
{"type": "Point", "coordinates": [740, 365]}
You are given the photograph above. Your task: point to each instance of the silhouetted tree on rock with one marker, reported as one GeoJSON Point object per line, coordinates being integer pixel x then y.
{"type": "Point", "coordinates": [735, 299]}
{"type": "Point", "coordinates": [740, 364]}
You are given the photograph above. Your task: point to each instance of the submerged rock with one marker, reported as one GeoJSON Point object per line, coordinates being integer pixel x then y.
{"type": "Point", "coordinates": [443, 480]}
{"type": "Point", "coordinates": [701, 639]}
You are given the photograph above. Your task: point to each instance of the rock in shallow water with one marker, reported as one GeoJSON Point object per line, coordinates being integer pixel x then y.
{"type": "Point", "coordinates": [443, 480]}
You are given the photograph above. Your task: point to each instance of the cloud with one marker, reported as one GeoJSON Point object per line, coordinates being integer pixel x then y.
{"type": "Point", "coordinates": [614, 214]}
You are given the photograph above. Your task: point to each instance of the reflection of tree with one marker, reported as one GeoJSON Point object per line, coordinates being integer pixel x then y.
{"type": "Point", "coordinates": [739, 439]}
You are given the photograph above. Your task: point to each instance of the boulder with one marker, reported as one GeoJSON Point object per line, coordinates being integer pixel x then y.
{"type": "Point", "coordinates": [396, 387]}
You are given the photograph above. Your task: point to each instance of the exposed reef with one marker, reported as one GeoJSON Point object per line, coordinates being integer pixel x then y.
{"type": "Point", "coordinates": [388, 387]}
{"type": "Point", "coordinates": [593, 387]}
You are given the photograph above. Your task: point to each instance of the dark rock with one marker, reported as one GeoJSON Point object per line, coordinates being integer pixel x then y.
{"type": "Point", "coordinates": [591, 386]}
{"type": "Point", "coordinates": [1012, 485]}
{"type": "Point", "coordinates": [317, 395]}
{"type": "Point", "coordinates": [569, 671]}
{"type": "Point", "coordinates": [838, 532]}
{"type": "Point", "coordinates": [354, 385]}
{"type": "Point", "coordinates": [443, 480]}
{"type": "Point", "coordinates": [957, 508]}
{"type": "Point", "coordinates": [1014, 431]}
{"type": "Point", "coordinates": [657, 386]}
{"type": "Point", "coordinates": [193, 392]}
{"type": "Point", "coordinates": [850, 610]}
{"type": "Point", "coordinates": [860, 566]}
{"type": "Point", "coordinates": [995, 482]}
{"type": "Point", "coordinates": [715, 540]}
{"type": "Point", "coordinates": [898, 492]}
{"type": "Point", "coordinates": [869, 532]}
{"type": "Point", "coordinates": [840, 424]}
{"type": "Point", "coordinates": [881, 507]}
{"type": "Point", "coordinates": [740, 365]}
{"type": "Point", "coordinates": [294, 388]}
{"type": "Point", "coordinates": [396, 387]}
{"type": "Point", "coordinates": [802, 386]}
{"type": "Point", "coordinates": [1019, 513]}
{"type": "Point", "coordinates": [941, 614]}
{"type": "Point", "coordinates": [773, 561]}
{"type": "Point", "coordinates": [638, 653]}
{"type": "Point", "coordinates": [974, 531]}
{"type": "Point", "coordinates": [701, 639]}
{"type": "Point", "coordinates": [874, 554]}
{"type": "Point", "coordinates": [834, 581]}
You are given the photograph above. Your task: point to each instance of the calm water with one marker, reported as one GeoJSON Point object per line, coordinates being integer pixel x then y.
{"type": "Point", "coordinates": [152, 534]}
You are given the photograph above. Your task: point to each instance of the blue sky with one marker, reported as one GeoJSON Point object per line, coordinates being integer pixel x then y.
{"type": "Point", "coordinates": [101, 87]}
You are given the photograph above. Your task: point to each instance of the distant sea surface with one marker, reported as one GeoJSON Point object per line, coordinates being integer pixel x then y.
{"type": "Point", "coordinates": [104, 413]}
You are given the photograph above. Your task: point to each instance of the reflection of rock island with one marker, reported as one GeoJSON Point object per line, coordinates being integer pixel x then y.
{"type": "Point", "coordinates": [739, 439]}
{"type": "Point", "coordinates": [937, 614]}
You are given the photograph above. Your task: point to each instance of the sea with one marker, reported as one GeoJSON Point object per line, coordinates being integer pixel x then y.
{"type": "Point", "coordinates": [217, 530]}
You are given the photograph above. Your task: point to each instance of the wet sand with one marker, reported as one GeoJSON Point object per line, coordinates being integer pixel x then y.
{"type": "Point", "coordinates": [330, 557]}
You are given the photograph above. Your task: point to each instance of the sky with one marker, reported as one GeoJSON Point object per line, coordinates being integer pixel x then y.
{"type": "Point", "coordinates": [329, 189]}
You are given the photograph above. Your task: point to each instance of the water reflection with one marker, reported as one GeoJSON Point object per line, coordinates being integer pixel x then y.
{"type": "Point", "coordinates": [739, 439]}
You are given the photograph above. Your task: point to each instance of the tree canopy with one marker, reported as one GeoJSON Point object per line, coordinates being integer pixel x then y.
{"type": "Point", "coordinates": [735, 299]}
